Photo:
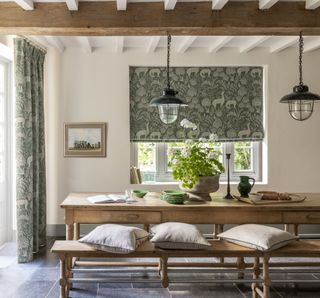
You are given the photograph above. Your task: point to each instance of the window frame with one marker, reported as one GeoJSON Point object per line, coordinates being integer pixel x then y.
{"type": "Point", "coordinates": [163, 175]}
{"type": "Point", "coordinates": [6, 58]}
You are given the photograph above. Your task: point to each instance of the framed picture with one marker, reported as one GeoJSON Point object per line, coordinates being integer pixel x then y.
{"type": "Point", "coordinates": [85, 139]}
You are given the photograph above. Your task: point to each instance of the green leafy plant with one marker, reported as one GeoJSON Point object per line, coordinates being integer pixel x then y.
{"type": "Point", "coordinates": [197, 159]}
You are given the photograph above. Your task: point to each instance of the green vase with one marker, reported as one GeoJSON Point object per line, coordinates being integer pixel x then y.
{"type": "Point", "coordinates": [244, 187]}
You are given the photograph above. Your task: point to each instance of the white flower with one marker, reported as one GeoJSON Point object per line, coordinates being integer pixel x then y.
{"type": "Point", "coordinates": [213, 137]}
{"type": "Point", "coordinates": [213, 155]}
{"type": "Point", "coordinates": [186, 152]}
{"type": "Point", "coordinates": [203, 140]}
{"type": "Point", "coordinates": [185, 123]}
{"type": "Point", "coordinates": [189, 141]}
{"type": "Point", "coordinates": [174, 161]}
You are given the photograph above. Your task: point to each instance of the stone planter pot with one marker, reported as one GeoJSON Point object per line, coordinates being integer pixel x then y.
{"type": "Point", "coordinates": [202, 189]}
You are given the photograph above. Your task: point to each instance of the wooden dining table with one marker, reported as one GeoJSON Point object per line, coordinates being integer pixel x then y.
{"type": "Point", "coordinates": [218, 212]}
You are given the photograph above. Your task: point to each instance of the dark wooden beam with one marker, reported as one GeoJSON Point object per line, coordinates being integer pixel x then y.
{"type": "Point", "coordinates": [197, 18]}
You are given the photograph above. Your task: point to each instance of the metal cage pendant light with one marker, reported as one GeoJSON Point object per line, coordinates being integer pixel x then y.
{"type": "Point", "coordinates": [300, 101]}
{"type": "Point", "coordinates": [168, 103]}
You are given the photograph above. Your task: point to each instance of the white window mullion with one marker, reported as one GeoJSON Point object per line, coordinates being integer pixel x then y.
{"type": "Point", "coordinates": [164, 175]}
{"type": "Point", "coordinates": [5, 150]}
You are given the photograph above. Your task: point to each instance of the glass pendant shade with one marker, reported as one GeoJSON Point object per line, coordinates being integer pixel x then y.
{"type": "Point", "coordinates": [300, 102]}
{"type": "Point", "coordinates": [168, 113]}
{"type": "Point", "coordinates": [168, 105]}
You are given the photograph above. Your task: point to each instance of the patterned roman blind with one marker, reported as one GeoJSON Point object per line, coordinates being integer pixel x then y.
{"type": "Point", "coordinates": [227, 101]}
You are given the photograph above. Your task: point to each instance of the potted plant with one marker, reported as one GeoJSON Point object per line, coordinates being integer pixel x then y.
{"type": "Point", "coordinates": [196, 166]}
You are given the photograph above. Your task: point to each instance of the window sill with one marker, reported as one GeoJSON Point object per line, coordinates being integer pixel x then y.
{"type": "Point", "coordinates": [260, 183]}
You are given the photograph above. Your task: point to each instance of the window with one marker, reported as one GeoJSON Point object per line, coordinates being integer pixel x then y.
{"type": "Point", "coordinates": [5, 148]}
{"type": "Point", "coordinates": [153, 159]}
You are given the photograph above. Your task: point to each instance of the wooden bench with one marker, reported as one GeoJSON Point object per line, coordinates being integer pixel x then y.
{"type": "Point", "coordinates": [67, 250]}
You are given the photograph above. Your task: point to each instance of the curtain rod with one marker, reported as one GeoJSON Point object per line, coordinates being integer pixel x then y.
{"type": "Point", "coordinates": [34, 43]}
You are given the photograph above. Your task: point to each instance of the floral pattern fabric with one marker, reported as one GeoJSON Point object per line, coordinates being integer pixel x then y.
{"type": "Point", "coordinates": [30, 149]}
{"type": "Point", "coordinates": [226, 101]}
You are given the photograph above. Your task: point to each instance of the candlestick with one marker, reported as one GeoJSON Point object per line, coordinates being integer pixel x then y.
{"type": "Point", "coordinates": [228, 196]}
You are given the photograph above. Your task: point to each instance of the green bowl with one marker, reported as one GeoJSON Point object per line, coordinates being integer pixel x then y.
{"type": "Point", "coordinates": [174, 192]}
{"type": "Point", "coordinates": [140, 193]}
{"type": "Point", "coordinates": [175, 201]}
{"type": "Point", "coordinates": [173, 196]}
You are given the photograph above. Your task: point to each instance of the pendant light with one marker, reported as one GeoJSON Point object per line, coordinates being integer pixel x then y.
{"type": "Point", "coordinates": [168, 103]}
{"type": "Point", "coordinates": [300, 100]}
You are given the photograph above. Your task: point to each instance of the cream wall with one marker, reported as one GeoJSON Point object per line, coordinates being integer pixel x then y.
{"type": "Point", "coordinates": [95, 87]}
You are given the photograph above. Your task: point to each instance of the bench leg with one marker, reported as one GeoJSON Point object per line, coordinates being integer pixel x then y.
{"type": "Point", "coordinates": [69, 273]}
{"type": "Point", "coordinates": [241, 265]}
{"type": "Point", "coordinates": [256, 274]}
{"type": "Point", "coordinates": [63, 277]}
{"type": "Point", "coordinates": [266, 277]}
{"type": "Point", "coordinates": [164, 272]}
{"type": "Point", "coordinates": [159, 266]}
{"type": "Point", "coordinates": [146, 227]}
{"type": "Point", "coordinates": [218, 228]}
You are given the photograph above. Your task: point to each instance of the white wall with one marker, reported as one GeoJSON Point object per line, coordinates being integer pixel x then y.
{"type": "Point", "coordinates": [95, 87]}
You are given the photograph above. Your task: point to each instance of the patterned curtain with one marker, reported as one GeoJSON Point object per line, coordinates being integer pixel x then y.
{"type": "Point", "coordinates": [30, 149]}
{"type": "Point", "coordinates": [227, 101]}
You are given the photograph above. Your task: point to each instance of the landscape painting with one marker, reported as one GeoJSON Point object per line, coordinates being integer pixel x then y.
{"type": "Point", "coordinates": [85, 140]}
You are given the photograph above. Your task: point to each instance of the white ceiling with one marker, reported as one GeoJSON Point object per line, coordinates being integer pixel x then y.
{"type": "Point", "coordinates": [180, 44]}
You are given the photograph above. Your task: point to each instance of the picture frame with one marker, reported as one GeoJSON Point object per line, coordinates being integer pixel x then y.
{"type": "Point", "coordinates": [85, 139]}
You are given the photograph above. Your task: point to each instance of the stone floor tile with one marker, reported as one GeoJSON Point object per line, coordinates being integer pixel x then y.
{"type": "Point", "coordinates": [204, 291]}
{"type": "Point", "coordinates": [133, 293]}
{"type": "Point", "coordinates": [33, 289]}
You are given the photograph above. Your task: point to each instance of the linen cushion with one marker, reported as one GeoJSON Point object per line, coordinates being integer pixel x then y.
{"type": "Point", "coordinates": [259, 237]}
{"type": "Point", "coordinates": [115, 238]}
{"type": "Point", "coordinates": [176, 235]}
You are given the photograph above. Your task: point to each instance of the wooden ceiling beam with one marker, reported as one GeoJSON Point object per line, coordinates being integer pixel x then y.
{"type": "Point", "coordinates": [285, 42]}
{"type": "Point", "coordinates": [312, 4]}
{"type": "Point", "coordinates": [218, 4]}
{"type": "Point", "coordinates": [312, 45]}
{"type": "Point", "coordinates": [153, 44]}
{"type": "Point", "coordinates": [72, 4]}
{"type": "Point", "coordinates": [256, 41]}
{"type": "Point", "coordinates": [25, 4]}
{"type": "Point", "coordinates": [266, 4]}
{"type": "Point", "coordinates": [85, 43]}
{"type": "Point", "coordinates": [219, 43]}
{"type": "Point", "coordinates": [170, 4]}
{"type": "Point", "coordinates": [122, 4]}
{"type": "Point", "coordinates": [56, 42]}
{"type": "Point", "coordinates": [119, 44]}
{"type": "Point", "coordinates": [188, 18]}
{"type": "Point", "coordinates": [186, 44]}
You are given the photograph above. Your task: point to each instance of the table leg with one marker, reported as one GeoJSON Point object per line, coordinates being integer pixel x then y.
{"type": "Point", "coordinates": [76, 236]}
{"type": "Point", "coordinates": [76, 231]}
{"type": "Point", "coordinates": [69, 231]}
{"type": "Point", "coordinates": [256, 274]}
{"type": "Point", "coordinates": [241, 265]}
{"type": "Point", "coordinates": [266, 277]}
{"type": "Point", "coordinates": [63, 277]}
{"type": "Point", "coordinates": [296, 229]}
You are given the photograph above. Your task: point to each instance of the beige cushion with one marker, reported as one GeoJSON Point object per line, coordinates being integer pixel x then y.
{"type": "Point", "coordinates": [175, 235]}
{"type": "Point", "coordinates": [259, 237]}
{"type": "Point", "coordinates": [115, 238]}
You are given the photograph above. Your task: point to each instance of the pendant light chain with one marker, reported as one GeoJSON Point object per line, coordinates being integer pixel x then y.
{"type": "Point", "coordinates": [168, 60]}
{"type": "Point", "coordinates": [300, 59]}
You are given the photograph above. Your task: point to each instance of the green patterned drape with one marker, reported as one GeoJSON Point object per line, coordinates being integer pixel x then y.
{"type": "Point", "coordinates": [30, 149]}
{"type": "Point", "coordinates": [227, 101]}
